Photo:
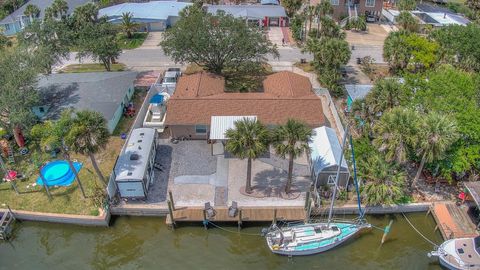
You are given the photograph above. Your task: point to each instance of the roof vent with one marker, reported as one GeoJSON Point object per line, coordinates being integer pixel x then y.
{"type": "Point", "coordinates": [134, 157]}
{"type": "Point", "coordinates": [139, 141]}
{"type": "Point", "coordinates": [141, 134]}
{"type": "Point", "coordinates": [129, 173]}
{"type": "Point", "coordinates": [139, 147]}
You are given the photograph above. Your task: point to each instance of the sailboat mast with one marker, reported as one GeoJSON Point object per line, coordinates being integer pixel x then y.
{"type": "Point", "coordinates": [360, 211]}
{"type": "Point", "coordinates": [339, 165]}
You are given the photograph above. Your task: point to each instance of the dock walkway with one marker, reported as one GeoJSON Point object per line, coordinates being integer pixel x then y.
{"type": "Point", "coordinates": [245, 214]}
{"type": "Point", "coordinates": [6, 220]}
{"type": "Point", "coordinates": [452, 221]}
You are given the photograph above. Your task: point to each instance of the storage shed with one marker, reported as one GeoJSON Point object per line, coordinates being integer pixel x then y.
{"type": "Point", "coordinates": [134, 169]}
{"type": "Point", "coordinates": [325, 151]}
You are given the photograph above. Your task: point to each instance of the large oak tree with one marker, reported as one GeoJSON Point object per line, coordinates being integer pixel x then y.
{"type": "Point", "coordinates": [215, 41]}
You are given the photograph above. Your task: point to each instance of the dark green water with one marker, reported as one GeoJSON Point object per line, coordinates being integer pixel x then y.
{"type": "Point", "coordinates": [146, 243]}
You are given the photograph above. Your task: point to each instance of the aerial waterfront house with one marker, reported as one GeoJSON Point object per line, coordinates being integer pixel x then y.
{"type": "Point", "coordinates": [261, 15]}
{"type": "Point", "coordinates": [17, 21]}
{"type": "Point", "coordinates": [104, 92]}
{"type": "Point", "coordinates": [199, 97]}
{"type": "Point", "coordinates": [342, 8]}
{"type": "Point", "coordinates": [152, 16]}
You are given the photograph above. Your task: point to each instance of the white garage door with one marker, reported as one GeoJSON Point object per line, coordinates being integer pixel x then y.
{"type": "Point", "coordinates": [157, 26]}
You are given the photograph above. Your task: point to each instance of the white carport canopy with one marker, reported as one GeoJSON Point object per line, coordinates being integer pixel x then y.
{"type": "Point", "coordinates": [220, 124]}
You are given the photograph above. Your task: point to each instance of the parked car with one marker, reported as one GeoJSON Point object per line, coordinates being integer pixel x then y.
{"type": "Point", "coordinates": [170, 77]}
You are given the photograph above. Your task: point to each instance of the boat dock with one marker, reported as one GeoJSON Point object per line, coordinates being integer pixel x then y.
{"type": "Point", "coordinates": [452, 220]}
{"type": "Point", "coordinates": [244, 214]}
{"type": "Point", "coordinates": [6, 220]}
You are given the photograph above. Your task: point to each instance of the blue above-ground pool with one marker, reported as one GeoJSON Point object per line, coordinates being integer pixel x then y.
{"type": "Point", "coordinates": [58, 173]}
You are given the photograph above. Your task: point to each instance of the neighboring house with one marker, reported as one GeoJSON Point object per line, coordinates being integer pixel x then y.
{"type": "Point", "coordinates": [436, 19]}
{"type": "Point", "coordinates": [262, 15]}
{"type": "Point", "coordinates": [342, 8]}
{"type": "Point", "coordinates": [355, 92]}
{"type": "Point", "coordinates": [201, 96]}
{"type": "Point", "coordinates": [325, 151]}
{"type": "Point", "coordinates": [15, 22]}
{"type": "Point", "coordinates": [104, 92]}
{"type": "Point", "coordinates": [152, 16]}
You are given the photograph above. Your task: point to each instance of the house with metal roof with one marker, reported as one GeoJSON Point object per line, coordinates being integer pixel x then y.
{"type": "Point", "coordinates": [153, 16]}
{"type": "Point", "coordinates": [261, 15]}
{"type": "Point", "coordinates": [356, 92]}
{"type": "Point", "coordinates": [134, 170]}
{"type": "Point", "coordinates": [325, 152]}
{"type": "Point", "coordinates": [105, 92]}
{"type": "Point", "coordinates": [17, 21]}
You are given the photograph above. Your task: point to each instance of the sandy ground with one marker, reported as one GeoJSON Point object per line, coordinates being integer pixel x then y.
{"type": "Point", "coordinates": [375, 35]}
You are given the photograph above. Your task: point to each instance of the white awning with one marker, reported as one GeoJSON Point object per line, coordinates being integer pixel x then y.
{"type": "Point", "coordinates": [220, 124]}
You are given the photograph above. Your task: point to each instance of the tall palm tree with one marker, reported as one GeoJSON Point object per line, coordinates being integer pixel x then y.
{"type": "Point", "coordinates": [291, 140]}
{"type": "Point", "coordinates": [385, 95]}
{"type": "Point", "coordinates": [395, 132]}
{"type": "Point", "coordinates": [310, 15]}
{"type": "Point", "coordinates": [248, 140]}
{"type": "Point", "coordinates": [60, 8]}
{"type": "Point", "coordinates": [322, 9]}
{"type": "Point", "coordinates": [51, 135]}
{"type": "Point", "coordinates": [437, 133]}
{"type": "Point", "coordinates": [384, 183]}
{"type": "Point", "coordinates": [128, 25]}
{"type": "Point", "coordinates": [87, 136]}
{"type": "Point", "coordinates": [31, 11]}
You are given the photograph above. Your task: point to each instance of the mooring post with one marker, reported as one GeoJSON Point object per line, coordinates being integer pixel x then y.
{"type": "Point", "coordinates": [170, 195]}
{"type": "Point", "coordinates": [274, 221]}
{"type": "Point", "coordinates": [205, 220]}
{"type": "Point", "coordinates": [170, 211]}
{"type": "Point", "coordinates": [307, 212]}
{"type": "Point", "coordinates": [239, 219]}
{"type": "Point", "coordinates": [307, 200]}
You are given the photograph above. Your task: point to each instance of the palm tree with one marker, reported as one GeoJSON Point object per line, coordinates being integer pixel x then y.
{"type": "Point", "coordinates": [385, 95]}
{"type": "Point", "coordinates": [396, 50]}
{"type": "Point", "coordinates": [291, 140]}
{"type": "Point", "coordinates": [248, 140]}
{"type": "Point", "coordinates": [31, 11]}
{"type": "Point", "coordinates": [128, 25]}
{"type": "Point", "coordinates": [60, 8]}
{"type": "Point", "coordinates": [437, 133]}
{"type": "Point", "coordinates": [395, 132]}
{"type": "Point", "coordinates": [321, 10]}
{"type": "Point", "coordinates": [51, 136]}
{"type": "Point", "coordinates": [310, 14]}
{"type": "Point", "coordinates": [88, 135]}
{"type": "Point", "coordinates": [384, 183]}
{"type": "Point", "coordinates": [407, 21]}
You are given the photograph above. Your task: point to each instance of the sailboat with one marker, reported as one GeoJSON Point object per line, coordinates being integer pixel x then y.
{"type": "Point", "coordinates": [459, 253]}
{"type": "Point", "coordinates": [315, 237]}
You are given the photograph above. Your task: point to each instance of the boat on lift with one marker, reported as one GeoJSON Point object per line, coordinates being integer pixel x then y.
{"type": "Point", "coordinates": [316, 237]}
{"type": "Point", "coordinates": [459, 253]}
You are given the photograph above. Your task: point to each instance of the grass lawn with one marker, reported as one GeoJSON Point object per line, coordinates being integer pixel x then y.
{"type": "Point", "coordinates": [82, 68]}
{"type": "Point", "coordinates": [136, 41]}
{"type": "Point", "coordinates": [307, 67]}
{"type": "Point", "coordinates": [66, 200]}
{"type": "Point", "coordinates": [126, 123]}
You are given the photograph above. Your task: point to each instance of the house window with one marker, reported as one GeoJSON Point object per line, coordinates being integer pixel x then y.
{"type": "Point", "coordinates": [370, 3]}
{"type": "Point", "coordinates": [7, 27]}
{"type": "Point", "coordinates": [331, 180]}
{"type": "Point", "coordinates": [335, 2]}
{"type": "Point", "coordinates": [201, 129]}
{"type": "Point", "coordinates": [41, 109]}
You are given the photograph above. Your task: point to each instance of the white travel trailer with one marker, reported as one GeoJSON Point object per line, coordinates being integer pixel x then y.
{"type": "Point", "coordinates": [135, 166]}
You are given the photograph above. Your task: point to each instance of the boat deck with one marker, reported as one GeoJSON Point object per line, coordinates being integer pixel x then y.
{"type": "Point", "coordinates": [453, 221]}
{"type": "Point", "coordinates": [245, 214]}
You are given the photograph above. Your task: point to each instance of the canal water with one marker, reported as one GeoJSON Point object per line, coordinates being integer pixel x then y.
{"type": "Point", "coordinates": [146, 243]}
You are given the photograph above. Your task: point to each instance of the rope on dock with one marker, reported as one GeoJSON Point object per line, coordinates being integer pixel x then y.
{"type": "Point", "coordinates": [424, 237]}
{"type": "Point", "coordinates": [231, 231]}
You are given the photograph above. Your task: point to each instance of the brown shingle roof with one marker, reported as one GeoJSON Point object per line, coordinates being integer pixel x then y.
{"type": "Point", "coordinates": [199, 85]}
{"type": "Point", "coordinates": [287, 84]}
{"type": "Point", "coordinates": [287, 95]}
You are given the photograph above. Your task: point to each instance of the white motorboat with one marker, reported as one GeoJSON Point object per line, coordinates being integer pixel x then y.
{"type": "Point", "coordinates": [459, 253]}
